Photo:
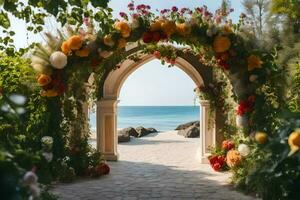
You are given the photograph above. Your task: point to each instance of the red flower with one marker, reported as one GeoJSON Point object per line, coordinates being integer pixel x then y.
{"type": "Point", "coordinates": [103, 168]}
{"type": "Point", "coordinates": [157, 54]}
{"type": "Point", "coordinates": [156, 36]}
{"type": "Point", "coordinates": [147, 37]}
{"type": "Point", "coordinates": [217, 167]}
{"type": "Point", "coordinates": [246, 106]}
{"type": "Point", "coordinates": [227, 145]}
{"type": "Point", "coordinates": [217, 162]}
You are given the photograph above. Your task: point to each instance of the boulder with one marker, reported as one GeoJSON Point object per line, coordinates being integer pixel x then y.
{"type": "Point", "coordinates": [142, 131]}
{"type": "Point", "coordinates": [124, 134]}
{"type": "Point", "coordinates": [131, 131]}
{"type": "Point", "coordinates": [190, 132]}
{"type": "Point", "coordinates": [187, 125]}
{"type": "Point", "coordinates": [152, 130]}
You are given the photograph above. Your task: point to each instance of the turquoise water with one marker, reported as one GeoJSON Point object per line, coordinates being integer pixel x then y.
{"type": "Point", "coordinates": [162, 118]}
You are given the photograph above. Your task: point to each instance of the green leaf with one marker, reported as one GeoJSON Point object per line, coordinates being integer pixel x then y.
{"type": "Point", "coordinates": [4, 20]}
{"type": "Point", "coordinates": [100, 3]}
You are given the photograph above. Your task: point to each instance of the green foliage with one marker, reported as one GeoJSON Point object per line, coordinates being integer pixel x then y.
{"type": "Point", "coordinates": [269, 170]}
{"type": "Point", "coordinates": [35, 13]}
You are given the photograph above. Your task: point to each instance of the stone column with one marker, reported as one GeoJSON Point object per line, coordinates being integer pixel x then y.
{"type": "Point", "coordinates": [207, 132]}
{"type": "Point", "coordinates": [107, 138]}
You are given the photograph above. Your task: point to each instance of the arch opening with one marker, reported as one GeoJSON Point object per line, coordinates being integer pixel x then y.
{"type": "Point", "coordinates": [107, 138]}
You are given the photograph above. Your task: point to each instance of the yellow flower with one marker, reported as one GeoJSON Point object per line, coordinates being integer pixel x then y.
{"type": "Point", "coordinates": [294, 142]}
{"type": "Point", "coordinates": [183, 29]}
{"type": "Point", "coordinates": [227, 29]}
{"type": "Point", "coordinates": [233, 158]}
{"type": "Point", "coordinates": [75, 42]}
{"type": "Point", "coordinates": [221, 44]}
{"type": "Point", "coordinates": [124, 28]}
{"type": "Point", "coordinates": [44, 79]}
{"type": "Point", "coordinates": [49, 93]}
{"type": "Point", "coordinates": [261, 137]}
{"type": "Point", "coordinates": [122, 43]}
{"type": "Point", "coordinates": [168, 27]}
{"type": "Point", "coordinates": [254, 62]}
{"type": "Point", "coordinates": [65, 48]}
{"type": "Point", "coordinates": [107, 40]}
{"type": "Point", "coordinates": [83, 52]}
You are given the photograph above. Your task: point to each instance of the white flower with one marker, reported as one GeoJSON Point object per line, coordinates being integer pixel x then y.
{"type": "Point", "coordinates": [43, 69]}
{"type": "Point", "coordinates": [244, 150]}
{"type": "Point", "coordinates": [47, 140]}
{"type": "Point", "coordinates": [17, 99]}
{"type": "Point", "coordinates": [48, 156]}
{"type": "Point", "coordinates": [30, 178]}
{"type": "Point", "coordinates": [35, 191]}
{"type": "Point", "coordinates": [58, 60]}
{"type": "Point", "coordinates": [253, 78]}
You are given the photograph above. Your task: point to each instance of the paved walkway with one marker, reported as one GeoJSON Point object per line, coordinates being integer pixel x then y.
{"type": "Point", "coordinates": [161, 166]}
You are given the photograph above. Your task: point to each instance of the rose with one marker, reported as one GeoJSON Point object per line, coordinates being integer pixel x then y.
{"type": "Point", "coordinates": [294, 142]}
{"type": "Point", "coordinates": [221, 44]}
{"type": "Point", "coordinates": [44, 79]}
{"type": "Point", "coordinates": [30, 178]}
{"type": "Point", "coordinates": [244, 150]}
{"type": "Point", "coordinates": [75, 42]}
{"type": "Point", "coordinates": [227, 145]}
{"type": "Point", "coordinates": [233, 158]}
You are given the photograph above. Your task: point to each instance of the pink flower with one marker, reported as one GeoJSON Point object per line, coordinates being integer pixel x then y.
{"type": "Point", "coordinates": [122, 14]}
{"type": "Point", "coordinates": [174, 9]}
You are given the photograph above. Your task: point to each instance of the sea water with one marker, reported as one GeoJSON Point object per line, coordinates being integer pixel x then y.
{"type": "Point", "coordinates": [162, 118]}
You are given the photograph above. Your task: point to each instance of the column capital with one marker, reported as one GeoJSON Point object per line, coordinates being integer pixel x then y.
{"type": "Point", "coordinates": [104, 102]}
{"type": "Point", "coordinates": [204, 103]}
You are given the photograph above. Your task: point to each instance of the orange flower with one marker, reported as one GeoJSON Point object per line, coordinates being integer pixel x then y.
{"type": "Point", "coordinates": [168, 27]}
{"type": "Point", "coordinates": [75, 42]}
{"type": "Point", "coordinates": [227, 29]}
{"type": "Point", "coordinates": [254, 62]}
{"type": "Point", "coordinates": [122, 43]}
{"type": "Point", "coordinates": [233, 158]}
{"type": "Point", "coordinates": [123, 28]}
{"type": "Point", "coordinates": [83, 52]}
{"type": "Point", "coordinates": [221, 44]}
{"type": "Point", "coordinates": [156, 26]}
{"type": "Point", "coordinates": [49, 93]}
{"type": "Point", "coordinates": [107, 40]}
{"type": "Point", "coordinates": [183, 29]}
{"type": "Point", "coordinates": [44, 79]}
{"type": "Point", "coordinates": [294, 142]}
{"type": "Point", "coordinates": [65, 48]}
{"type": "Point", "coordinates": [261, 137]}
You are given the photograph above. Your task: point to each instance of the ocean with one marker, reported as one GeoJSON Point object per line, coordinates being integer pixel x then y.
{"type": "Point", "coordinates": [162, 118]}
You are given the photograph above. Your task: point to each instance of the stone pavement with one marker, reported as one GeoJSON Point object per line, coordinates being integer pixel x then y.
{"type": "Point", "coordinates": [160, 166]}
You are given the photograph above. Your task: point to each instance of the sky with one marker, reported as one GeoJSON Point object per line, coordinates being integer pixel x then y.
{"type": "Point", "coordinates": [151, 84]}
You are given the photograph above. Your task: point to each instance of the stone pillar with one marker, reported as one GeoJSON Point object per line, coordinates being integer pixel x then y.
{"type": "Point", "coordinates": [107, 138]}
{"type": "Point", "coordinates": [207, 132]}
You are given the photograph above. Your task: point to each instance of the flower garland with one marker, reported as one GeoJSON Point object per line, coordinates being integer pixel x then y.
{"type": "Point", "coordinates": [217, 42]}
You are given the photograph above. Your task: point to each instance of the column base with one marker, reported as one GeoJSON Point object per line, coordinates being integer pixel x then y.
{"type": "Point", "coordinates": [203, 159]}
{"type": "Point", "coordinates": [110, 156]}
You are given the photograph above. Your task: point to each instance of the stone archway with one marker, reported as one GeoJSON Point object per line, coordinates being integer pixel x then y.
{"type": "Point", "coordinates": [107, 139]}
